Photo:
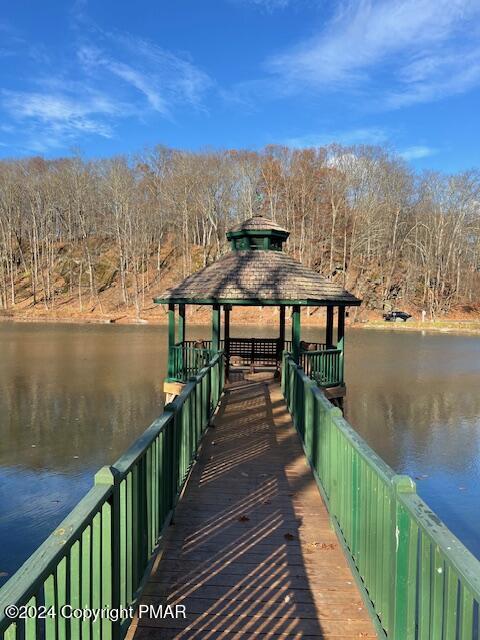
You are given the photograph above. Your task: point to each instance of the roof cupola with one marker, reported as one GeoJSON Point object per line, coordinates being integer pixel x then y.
{"type": "Point", "coordinates": [257, 233]}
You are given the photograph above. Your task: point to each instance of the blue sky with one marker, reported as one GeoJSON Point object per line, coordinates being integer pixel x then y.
{"type": "Point", "coordinates": [109, 77]}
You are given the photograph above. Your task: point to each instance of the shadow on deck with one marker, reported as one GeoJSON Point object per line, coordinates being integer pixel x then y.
{"type": "Point", "coordinates": [252, 552]}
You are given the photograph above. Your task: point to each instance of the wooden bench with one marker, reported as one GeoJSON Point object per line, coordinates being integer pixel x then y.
{"type": "Point", "coordinates": [251, 352]}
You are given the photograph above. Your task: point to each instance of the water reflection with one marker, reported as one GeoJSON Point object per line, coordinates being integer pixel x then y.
{"type": "Point", "coordinates": [415, 399]}
{"type": "Point", "coordinates": [73, 398]}
{"type": "Point", "coordinates": [68, 392]}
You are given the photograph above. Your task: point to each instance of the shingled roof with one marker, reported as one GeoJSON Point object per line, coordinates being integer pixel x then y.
{"type": "Point", "coordinates": [257, 278]}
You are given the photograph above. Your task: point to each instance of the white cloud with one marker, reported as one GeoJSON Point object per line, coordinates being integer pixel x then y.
{"type": "Point", "coordinates": [54, 108]}
{"type": "Point", "coordinates": [106, 77]}
{"type": "Point", "coordinates": [91, 58]}
{"type": "Point", "coordinates": [163, 78]}
{"type": "Point", "coordinates": [50, 120]}
{"type": "Point", "coordinates": [362, 135]}
{"type": "Point", "coordinates": [431, 78]}
{"type": "Point", "coordinates": [411, 47]}
{"type": "Point", "coordinates": [417, 152]}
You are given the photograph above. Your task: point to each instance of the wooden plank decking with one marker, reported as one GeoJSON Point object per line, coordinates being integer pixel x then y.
{"type": "Point", "coordinates": [252, 553]}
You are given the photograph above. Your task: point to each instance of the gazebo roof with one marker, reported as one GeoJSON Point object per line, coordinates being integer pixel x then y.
{"type": "Point", "coordinates": [257, 277]}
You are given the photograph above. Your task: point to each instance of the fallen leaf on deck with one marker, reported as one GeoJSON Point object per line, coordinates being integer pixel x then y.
{"type": "Point", "coordinates": [325, 546]}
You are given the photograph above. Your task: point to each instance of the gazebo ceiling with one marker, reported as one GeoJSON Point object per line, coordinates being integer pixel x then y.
{"type": "Point", "coordinates": [257, 278]}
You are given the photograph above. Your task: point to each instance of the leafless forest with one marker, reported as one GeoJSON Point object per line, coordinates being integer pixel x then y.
{"type": "Point", "coordinates": [87, 234]}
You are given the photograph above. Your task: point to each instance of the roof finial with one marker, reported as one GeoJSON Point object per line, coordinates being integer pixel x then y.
{"type": "Point", "coordinates": [258, 206]}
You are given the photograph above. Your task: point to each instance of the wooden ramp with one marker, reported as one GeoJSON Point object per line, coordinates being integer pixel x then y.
{"type": "Point", "coordinates": [252, 553]}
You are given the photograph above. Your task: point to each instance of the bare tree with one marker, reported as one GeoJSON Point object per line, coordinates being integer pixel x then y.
{"type": "Point", "coordinates": [72, 229]}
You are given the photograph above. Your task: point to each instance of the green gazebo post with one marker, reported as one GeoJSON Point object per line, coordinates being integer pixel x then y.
{"type": "Point", "coordinates": [181, 337]}
{"type": "Point", "coordinates": [181, 324]}
{"type": "Point", "coordinates": [329, 328]}
{"type": "Point", "coordinates": [226, 338]}
{"type": "Point", "coordinates": [215, 338]}
{"type": "Point", "coordinates": [281, 338]}
{"type": "Point", "coordinates": [340, 338]}
{"type": "Point", "coordinates": [296, 332]}
{"type": "Point", "coordinates": [341, 324]}
{"type": "Point", "coordinates": [216, 327]}
{"type": "Point", "coordinates": [171, 341]}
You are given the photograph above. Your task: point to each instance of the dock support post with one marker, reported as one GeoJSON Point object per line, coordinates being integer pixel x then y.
{"type": "Point", "coordinates": [216, 327]}
{"type": "Point", "coordinates": [296, 332]}
{"type": "Point", "coordinates": [226, 338]}
{"type": "Point", "coordinates": [171, 340]}
{"type": "Point", "coordinates": [329, 331]}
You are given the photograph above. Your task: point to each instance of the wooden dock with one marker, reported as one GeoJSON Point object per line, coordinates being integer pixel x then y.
{"type": "Point", "coordinates": [251, 552]}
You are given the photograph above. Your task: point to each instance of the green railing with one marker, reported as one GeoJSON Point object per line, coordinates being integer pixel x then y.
{"type": "Point", "coordinates": [98, 556]}
{"type": "Point", "coordinates": [186, 361]}
{"type": "Point", "coordinates": [420, 582]}
{"type": "Point", "coordinates": [325, 367]}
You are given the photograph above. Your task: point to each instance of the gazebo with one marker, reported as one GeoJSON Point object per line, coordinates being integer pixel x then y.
{"type": "Point", "coordinates": [256, 272]}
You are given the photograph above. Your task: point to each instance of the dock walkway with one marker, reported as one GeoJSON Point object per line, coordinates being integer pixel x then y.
{"type": "Point", "coordinates": [252, 552]}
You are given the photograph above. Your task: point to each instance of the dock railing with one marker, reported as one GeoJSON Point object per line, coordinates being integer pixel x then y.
{"type": "Point", "coordinates": [187, 360]}
{"type": "Point", "coordinates": [98, 557]}
{"type": "Point", "coordinates": [419, 580]}
{"type": "Point", "coordinates": [324, 366]}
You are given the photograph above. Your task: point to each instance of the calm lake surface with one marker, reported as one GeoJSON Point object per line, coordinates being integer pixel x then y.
{"type": "Point", "coordinates": [73, 398]}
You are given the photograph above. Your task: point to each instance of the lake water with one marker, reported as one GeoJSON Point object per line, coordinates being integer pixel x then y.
{"type": "Point", "coordinates": [73, 398]}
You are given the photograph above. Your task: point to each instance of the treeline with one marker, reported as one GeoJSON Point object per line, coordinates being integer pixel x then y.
{"type": "Point", "coordinates": [76, 230]}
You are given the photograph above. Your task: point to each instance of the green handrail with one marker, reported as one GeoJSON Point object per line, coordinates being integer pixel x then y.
{"type": "Point", "coordinates": [420, 581]}
{"type": "Point", "coordinates": [99, 555]}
